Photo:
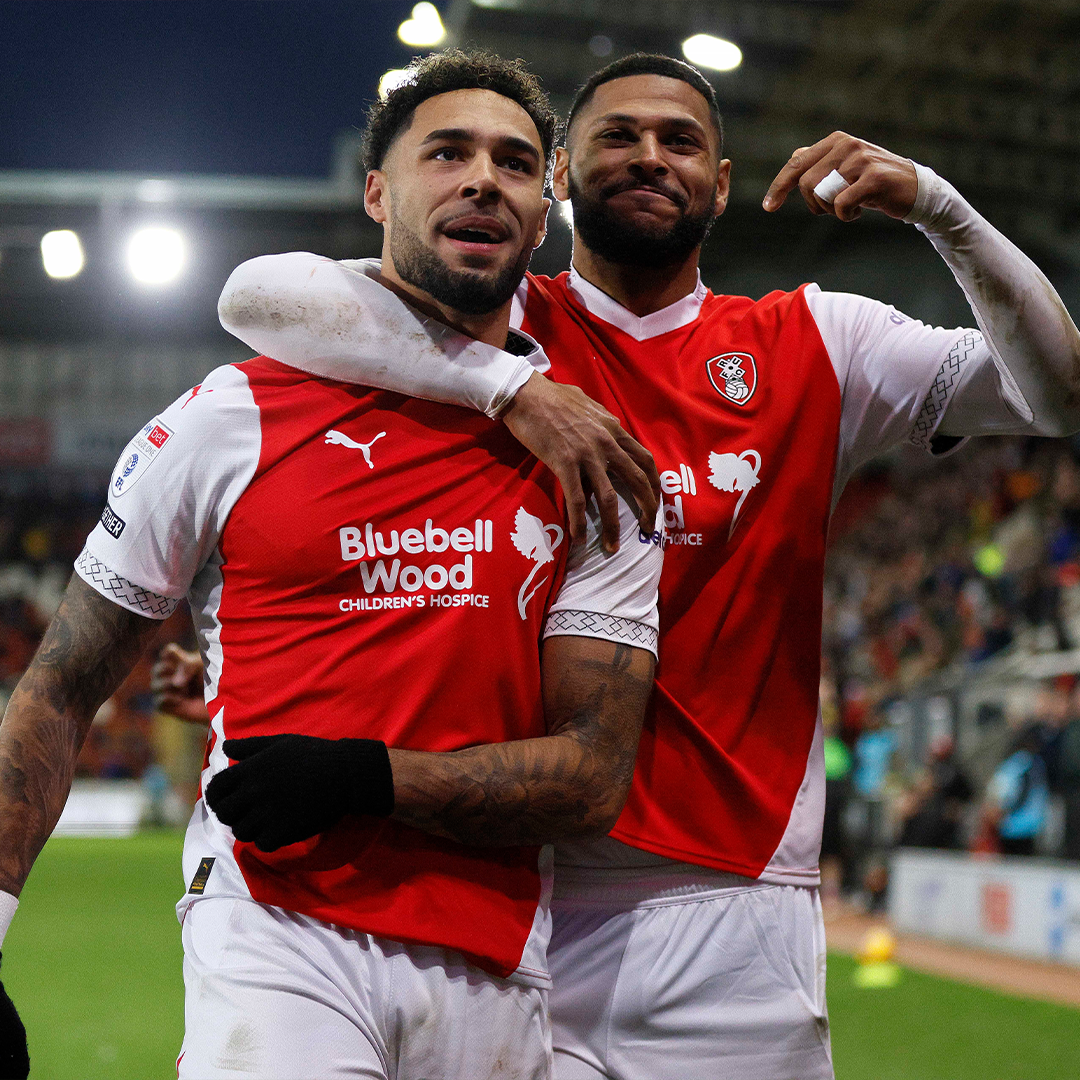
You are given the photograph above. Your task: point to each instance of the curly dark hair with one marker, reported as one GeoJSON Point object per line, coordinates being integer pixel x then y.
{"type": "Point", "coordinates": [650, 64]}
{"type": "Point", "coordinates": [441, 73]}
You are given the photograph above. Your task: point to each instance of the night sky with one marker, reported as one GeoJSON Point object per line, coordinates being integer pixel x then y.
{"type": "Point", "coordinates": [254, 87]}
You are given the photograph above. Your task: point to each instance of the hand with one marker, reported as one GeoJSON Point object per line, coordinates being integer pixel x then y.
{"type": "Point", "coordinates": [581, 442]}
{"type": "Point", "coordinates": [287, 788]}
{"type": "Point", "coordinates": [176, 681]}
{"type": "Point", "coordinates": [877, 179]}
{"type": "Point", "coordinates": [14, 1054]}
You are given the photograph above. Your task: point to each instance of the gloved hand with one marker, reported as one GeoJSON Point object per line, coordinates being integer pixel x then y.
{"type": "Point", "coordinates": [14, 1054]}
{"type": "Point", "coordinates": [286, 788]}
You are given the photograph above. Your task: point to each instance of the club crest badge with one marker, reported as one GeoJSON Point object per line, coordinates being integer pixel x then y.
{"type": "Point", "coordinates": [734, 376]}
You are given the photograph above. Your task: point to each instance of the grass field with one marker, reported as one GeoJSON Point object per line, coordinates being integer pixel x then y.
{"type": "Point", "coordinates": [93, 958]}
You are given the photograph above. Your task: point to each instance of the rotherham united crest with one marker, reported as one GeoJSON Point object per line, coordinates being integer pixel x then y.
{"type": "Point", "coordinates": [734, 376]}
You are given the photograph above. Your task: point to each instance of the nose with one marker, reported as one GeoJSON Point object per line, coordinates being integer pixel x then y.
{"type": "Point", "coordinates": [482, 180]}
{"type": "Point", "coordinates": [648, 156]}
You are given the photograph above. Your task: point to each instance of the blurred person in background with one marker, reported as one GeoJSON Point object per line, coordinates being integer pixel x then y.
{"type": "Point", "coordinates": [932, 810]}
{"type": "Point", "coordinates": [835, 848]}
{"type": "Point", "coordinates": [758, 412]}
{"type": "Point", "coordinates": [1065, 776]}
{"type": "Point", "coordinates": [1017, 795]}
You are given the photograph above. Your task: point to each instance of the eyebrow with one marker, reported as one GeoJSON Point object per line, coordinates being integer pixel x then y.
{"type": "Point", "coordinates": [522, 146]}
{"type": "Point", "coordinates": [628, 118]}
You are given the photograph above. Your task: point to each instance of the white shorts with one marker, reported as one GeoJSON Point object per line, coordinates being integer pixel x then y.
{"type": "Point", "coordinates": [274, 994]}
{"type": "Point", "coordinates": [677, 975]}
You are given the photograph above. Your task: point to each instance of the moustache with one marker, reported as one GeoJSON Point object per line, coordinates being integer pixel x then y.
{"type": "Point", "coordinates": [616, 188]}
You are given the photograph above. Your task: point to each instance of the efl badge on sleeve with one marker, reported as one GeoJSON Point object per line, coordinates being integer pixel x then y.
{"type": "Point", "coordinates": [734, 376]}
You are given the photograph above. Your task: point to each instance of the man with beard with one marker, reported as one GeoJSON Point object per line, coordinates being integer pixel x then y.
{"type": "Point", "coordinates": [369, 864]}
{"type": "Point", "coordinates": [689, 942]}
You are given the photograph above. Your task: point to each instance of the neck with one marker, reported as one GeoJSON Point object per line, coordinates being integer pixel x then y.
{"type": "Point", "coordinates": [491, 328]}
{"type": "Point", "coordinates": [640, 289]}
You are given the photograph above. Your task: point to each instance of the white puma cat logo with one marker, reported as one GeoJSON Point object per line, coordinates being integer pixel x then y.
{"type": "Point", "coordinates": [335, 438]}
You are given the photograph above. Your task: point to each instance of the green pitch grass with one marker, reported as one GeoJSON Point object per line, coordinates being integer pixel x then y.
{"type": "Point", "coordinates": [926, 1028]}
{"type": "Point", "coordinates": [93, 959]}
{"type": "Point", "coordinates": [93, 962]}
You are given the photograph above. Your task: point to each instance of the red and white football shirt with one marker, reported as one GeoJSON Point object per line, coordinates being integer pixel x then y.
{"type": "Point", "coordinates": [367, 565]}
{"type": "Point", "coordinates": [757, 413]}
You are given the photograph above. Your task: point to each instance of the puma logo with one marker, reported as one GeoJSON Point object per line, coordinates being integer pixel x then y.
{"type": "Point", "coordinates": [335, 438]}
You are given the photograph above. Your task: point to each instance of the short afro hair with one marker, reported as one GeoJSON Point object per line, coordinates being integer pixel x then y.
{"type": "Point", "coordinates": [650, 64]}
{"type": "Point", "coordinates": [442, 73]}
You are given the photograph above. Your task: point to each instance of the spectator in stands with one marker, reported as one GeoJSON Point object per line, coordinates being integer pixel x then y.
{"type": "Point", "coordinates": [835, 854]}
{"type": "Point", "coordinates": [1018, 795]}
{"type": "Point", "coordinates": [933, 809]}
{"type": "Point", "coordinates": [1065, 777]}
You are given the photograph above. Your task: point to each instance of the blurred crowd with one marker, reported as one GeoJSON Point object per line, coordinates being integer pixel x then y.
{"type": "Point", "coordinates": [933, 565]}
{"type": "Point", "coordinates": [945, 565]}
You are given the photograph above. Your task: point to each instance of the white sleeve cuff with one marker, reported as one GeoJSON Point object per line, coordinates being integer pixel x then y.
{"type": "Point", "coordinates": [8, 904]}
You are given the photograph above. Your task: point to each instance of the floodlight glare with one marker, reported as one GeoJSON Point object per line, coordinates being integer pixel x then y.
{"type": "Point", "coordinates": [392, 80]}
{"type": "Point", "coordinates": [61, 253]}
{"type": "Point", "coordinates": [712, 52]}
{"type": "Point", "coordinates": [425, 28]}
{"type": "Point", "coordinates": [156, 255]}
{"type": "Point", "coordinates": [567, 211]}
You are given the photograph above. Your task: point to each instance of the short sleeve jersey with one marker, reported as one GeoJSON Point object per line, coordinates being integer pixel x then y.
{"type": "Point", "coordinates": [756, 412]}
{"type": "Point", "coordinates": [361, 564]}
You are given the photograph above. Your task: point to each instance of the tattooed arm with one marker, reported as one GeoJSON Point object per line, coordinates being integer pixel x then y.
{"type": "Point", "coordinates": [87, 651]}
{"type": "Point", "coordinates": [571, 783]}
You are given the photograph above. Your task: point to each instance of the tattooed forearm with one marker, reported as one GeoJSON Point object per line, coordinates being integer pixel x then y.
{"type": "Point", "coordinates": [571, 783]}
{"type": "Point", "coordinates": [87, 651]}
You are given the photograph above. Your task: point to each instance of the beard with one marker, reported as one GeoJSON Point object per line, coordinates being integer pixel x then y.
{"type": "Point", "coordinates": [472, 292]}
{"type": "Point", "coordinates": [625, 244]}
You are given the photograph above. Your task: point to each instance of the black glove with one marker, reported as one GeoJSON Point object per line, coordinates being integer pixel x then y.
{"type": "Point", "coordinates": [14, 1054]}
{"type": "Point", "coordinates": [286, 788]}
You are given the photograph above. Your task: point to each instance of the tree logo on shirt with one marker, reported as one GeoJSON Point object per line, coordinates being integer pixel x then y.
{"type": "Point", "coordinates": [734, 376]}
{"type": "Point", "coordinates": [535, 541]}
{"type": "Point", "coordinates": [735, 472]}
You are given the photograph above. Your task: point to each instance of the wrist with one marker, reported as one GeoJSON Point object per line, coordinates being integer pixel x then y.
{"type": "Point", "coordinates": [936, 204]}
{"type": "Point", "coordinates": [371, 778]}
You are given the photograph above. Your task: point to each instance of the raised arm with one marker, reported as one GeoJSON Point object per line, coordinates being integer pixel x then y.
{"type": "Point", "coordinates": [1034, 342]}
{"type": "Point", "coordinates": [335, 320]}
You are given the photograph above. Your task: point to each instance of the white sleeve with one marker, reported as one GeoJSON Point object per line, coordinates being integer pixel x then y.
{"type": "Point", "coordinates": [170, 495]}
{"type": "Point", "coordinates": [613, 597]}
{"type": "Point", "coordinates": [897, 375]}
{"type": "Point", "coordinates": [1033, 341]}
{"type": "Point", "coordinates": [335, 320]}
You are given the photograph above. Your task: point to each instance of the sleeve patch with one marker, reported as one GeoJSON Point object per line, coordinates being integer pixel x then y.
{"type": "Point", "coordinates": [126, 593]}
{"type": "Point", "coordinates": [598, 625]}
{"type": "Point", "coordinates": [937, 398]}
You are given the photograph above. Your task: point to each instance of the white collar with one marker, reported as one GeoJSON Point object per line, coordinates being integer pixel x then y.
{"type": "Point", "coordinates": [685, 310]}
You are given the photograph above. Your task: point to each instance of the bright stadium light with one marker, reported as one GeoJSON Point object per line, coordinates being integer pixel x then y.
{"type": "Point", "coordinates": [61, 253]}
{"type": "Point", "coordinates": [567, 212]}
{"type": "Point", "coordinates": [392, 80]}
{"type": "Point", "coordinates": [712, 52]}
{"type": "Point", "coordinates": [425, 29]}
{"type": "Point", "coordinates": [156, 255]}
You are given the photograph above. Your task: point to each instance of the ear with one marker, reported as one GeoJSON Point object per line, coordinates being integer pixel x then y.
{"type": "Point", "coordinates": [377, 196]}
{"type": "Point", "coordinates": [560, 184]}
{"type": "Point", "coordinates": [541, 225]}
{"type": "Point", "coordinates": [723, 186]}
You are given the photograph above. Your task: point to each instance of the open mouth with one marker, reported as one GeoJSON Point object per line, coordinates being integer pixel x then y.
{"type": "Point", "coordinates": [477, 233]}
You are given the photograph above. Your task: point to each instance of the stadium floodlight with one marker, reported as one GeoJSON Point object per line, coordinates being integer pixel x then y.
{"type": "Point", "coordinates": [567, 212]}
{"type": "Point", "coordinates": [425, 29]}
{"type": "Point", "coordinates": [712, 52]}
{"type": "Point", "coordinates": [156, 255]}
{"type": "Point", "coordinates": [391, 80]}
{"type": "Point", "coordinates": [62, 253]}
